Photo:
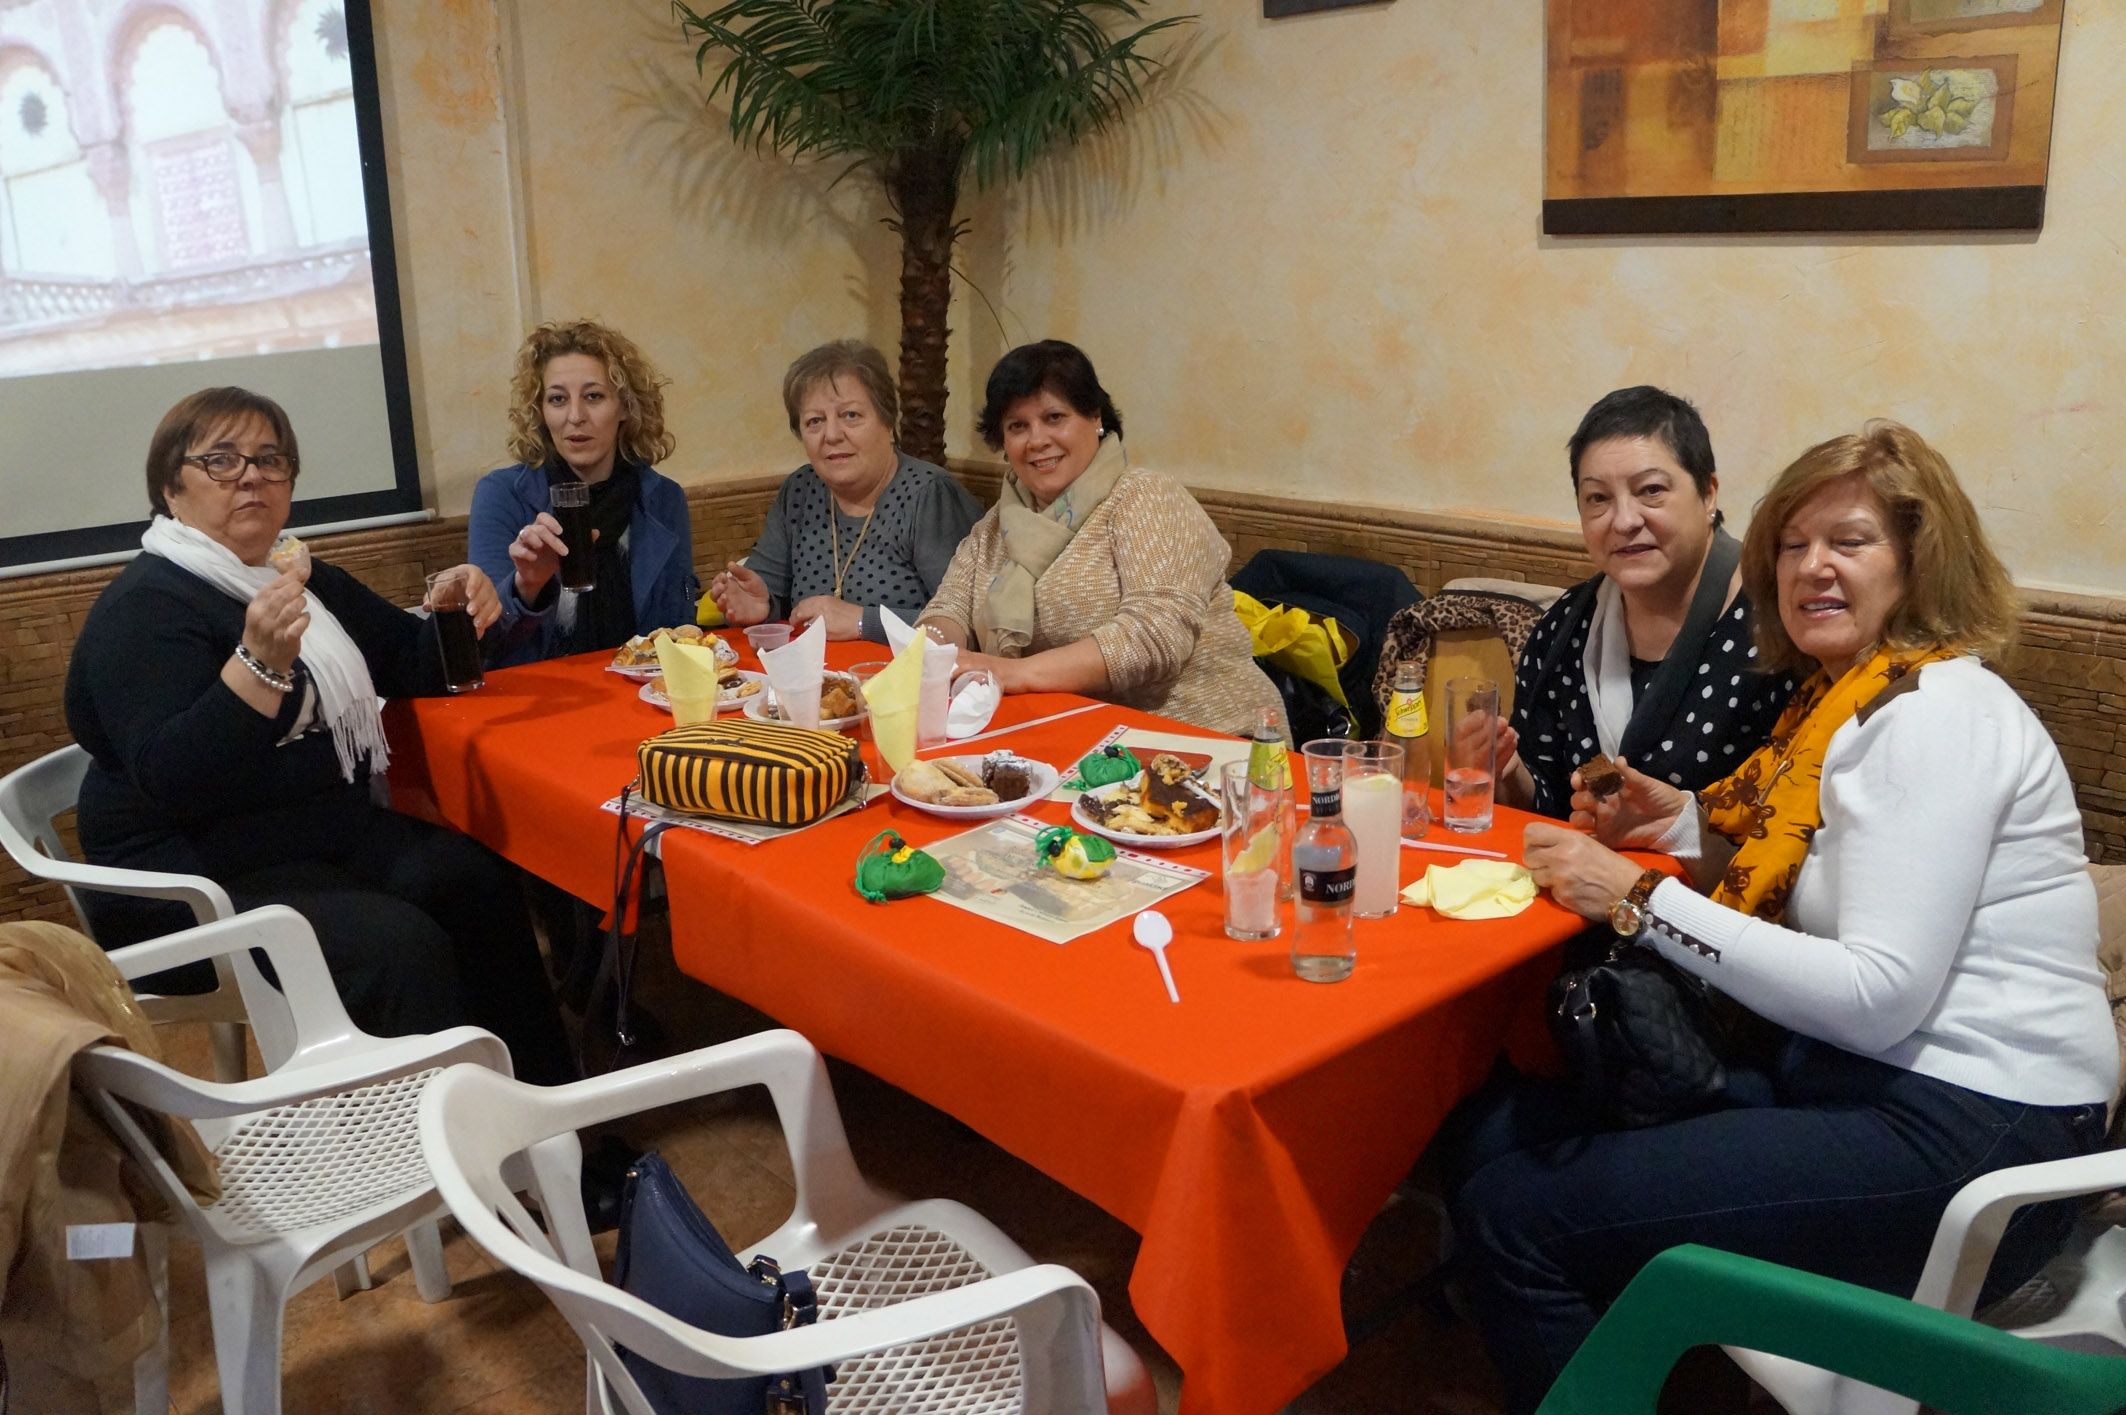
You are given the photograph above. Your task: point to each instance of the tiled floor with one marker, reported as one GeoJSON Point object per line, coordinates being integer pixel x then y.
{"type": "Point", "coordinates": [497, 1348]}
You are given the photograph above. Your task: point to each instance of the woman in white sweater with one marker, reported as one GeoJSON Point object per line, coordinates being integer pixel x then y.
{"type": "Point", "coordinates": [1896, 879]}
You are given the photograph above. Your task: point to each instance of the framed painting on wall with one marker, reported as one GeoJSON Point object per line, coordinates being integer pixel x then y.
{"type": "Point", "coordinates": [1798, 115]}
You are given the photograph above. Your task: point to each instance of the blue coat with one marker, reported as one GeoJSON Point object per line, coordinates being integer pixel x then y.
{"type": "Point", "coordinates": [660, 549]}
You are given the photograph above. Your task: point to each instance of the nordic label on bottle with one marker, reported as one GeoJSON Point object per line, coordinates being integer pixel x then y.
{"type": "Point", "coordinates": [1328, 886]}
{"type": "Point", "coordinates": [1407, 716]}
{"type": "Point", "coordinates": [1326, 804]}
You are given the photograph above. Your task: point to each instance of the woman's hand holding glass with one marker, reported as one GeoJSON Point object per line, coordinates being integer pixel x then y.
{"type": "Point", "coordinates": [536, 553]}
{"type": "Point", "coordinates": [482, 601]}
{"type": "Point", "coordinates": [741, 595]}
{"type": "Point", "coordinates": [1637, 816]}
{"type": "Point", "coordinates": [844, 620]}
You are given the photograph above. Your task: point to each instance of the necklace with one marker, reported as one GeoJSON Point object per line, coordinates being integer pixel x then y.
{"type": "Point", "coordinates": [834, 541]}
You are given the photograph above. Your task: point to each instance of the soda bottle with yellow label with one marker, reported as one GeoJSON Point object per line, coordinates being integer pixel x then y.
{"type": "Point", "coordinates": [1409, 725]}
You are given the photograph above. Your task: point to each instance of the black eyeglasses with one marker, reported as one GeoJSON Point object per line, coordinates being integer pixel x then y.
{"type": "Point", "coordinates": [228, 466]}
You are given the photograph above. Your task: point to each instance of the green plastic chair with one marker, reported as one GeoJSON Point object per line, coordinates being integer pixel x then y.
{"type": "Point", "coordinates": [1693, 1296]}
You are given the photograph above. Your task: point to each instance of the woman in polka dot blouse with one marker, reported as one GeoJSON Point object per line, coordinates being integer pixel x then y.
{"type": "Point", "coordinates": [861, 524]}
{"type": "Point", "coordinates": [1619, 665]}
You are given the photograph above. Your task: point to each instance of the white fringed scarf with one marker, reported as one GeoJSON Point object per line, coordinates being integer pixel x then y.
{"type": "Point", "coordinates": [346, 694]}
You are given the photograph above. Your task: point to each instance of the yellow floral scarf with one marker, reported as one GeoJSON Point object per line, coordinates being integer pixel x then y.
{"type": "Point", "coordinates": [1771, 807]}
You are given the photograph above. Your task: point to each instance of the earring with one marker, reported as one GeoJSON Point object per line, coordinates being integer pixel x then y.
{"type": "Point", "coordinates": [1103, 435]}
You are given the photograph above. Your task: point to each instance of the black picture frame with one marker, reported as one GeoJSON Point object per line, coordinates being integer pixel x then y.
{"type": "Point", "coordinates": [1279, 9]}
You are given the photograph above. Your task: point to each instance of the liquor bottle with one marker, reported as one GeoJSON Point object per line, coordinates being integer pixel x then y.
{"type": "Point", "coordinates": [1270, 767]}
{"type": "Point", "coordinates": [1325, 858]}
{"type": "Point", "coordinates": [1407, 724]}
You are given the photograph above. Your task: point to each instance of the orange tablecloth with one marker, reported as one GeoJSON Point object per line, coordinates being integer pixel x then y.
{"type": "Point", "coordinates": [1248, 1134]}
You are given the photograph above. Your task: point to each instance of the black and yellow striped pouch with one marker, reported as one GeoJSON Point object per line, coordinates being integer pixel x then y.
{"type": "Point", "coordinates": [764, 773]}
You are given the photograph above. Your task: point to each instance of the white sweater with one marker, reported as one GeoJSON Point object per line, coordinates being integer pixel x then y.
{"type": "Point", "coordinates": [1944, 920]}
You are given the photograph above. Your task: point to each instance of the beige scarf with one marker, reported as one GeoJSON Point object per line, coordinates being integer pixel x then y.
{"type": "Point", "coordinates": [1003, 621]}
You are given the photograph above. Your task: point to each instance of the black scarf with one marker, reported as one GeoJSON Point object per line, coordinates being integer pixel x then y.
{"type": "Point", "coordinates": [605, 617]}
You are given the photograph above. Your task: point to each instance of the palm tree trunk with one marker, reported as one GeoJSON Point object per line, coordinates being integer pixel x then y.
{"type": "Point", "coordinates": [924, 189]}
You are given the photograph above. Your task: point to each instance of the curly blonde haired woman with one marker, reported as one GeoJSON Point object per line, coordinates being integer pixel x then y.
{"type": "Point", "coordinates": [585, 406]}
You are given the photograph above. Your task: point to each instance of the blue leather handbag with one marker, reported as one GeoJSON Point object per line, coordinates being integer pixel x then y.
{"type": "Point", "coordinates": [673, 1258]}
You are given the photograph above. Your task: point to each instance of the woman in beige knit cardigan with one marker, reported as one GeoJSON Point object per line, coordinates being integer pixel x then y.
{"type": "Point", "coordinates": [1091, 575]}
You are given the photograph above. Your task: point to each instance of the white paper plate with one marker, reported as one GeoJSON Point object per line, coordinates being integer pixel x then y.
{"type": "Point", "coordinates": [650, 694]}
{"type": "Point", "coordinates": [725, 655]}
{"type": "Point", "coordinates": [1084, 821]}
{"type": "Point", "coordinates": [1044, 777]}
{"type": "Point", "coordinates": [757, 706]}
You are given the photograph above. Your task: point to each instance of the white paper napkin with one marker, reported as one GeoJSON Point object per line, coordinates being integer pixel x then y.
{"type": "Point", "coordinates": [898, 630]}
{"type": "Point", "coordinates": [795, 671]}
{"type": "Point", "coordinates": [975, 696]}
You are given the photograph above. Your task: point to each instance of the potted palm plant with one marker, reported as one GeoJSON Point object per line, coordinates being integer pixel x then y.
{"type": "Point", "coordinates": [919, 95]}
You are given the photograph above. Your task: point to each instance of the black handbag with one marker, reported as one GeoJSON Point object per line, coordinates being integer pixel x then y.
{"type": "Point", "coordinates": [673, 1258]}
{"type": "Point", "coordinates": [1641, 1039]}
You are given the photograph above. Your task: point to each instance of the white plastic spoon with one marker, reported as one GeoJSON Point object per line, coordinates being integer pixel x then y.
{"type": "Point", "coordinates": [1154, 932]}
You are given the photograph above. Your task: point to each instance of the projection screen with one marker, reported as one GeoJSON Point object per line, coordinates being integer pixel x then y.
{"type": "Point", "coordinates": [191, 194]}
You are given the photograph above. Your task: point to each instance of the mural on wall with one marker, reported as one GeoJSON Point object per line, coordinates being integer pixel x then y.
{"type": "Point", "coordinates": [1798, 115]}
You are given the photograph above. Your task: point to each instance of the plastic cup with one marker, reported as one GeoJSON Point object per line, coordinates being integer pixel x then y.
{"type": "Point", "coordinates": [1257, 852]}
{"type": "Point", "coordinates": [448, 602]}
{"type": "Point", "coordinates": [571, 503]}
{"type": "Point", "coordinates": [1472, 751]}
{"type": "Point", "coordinates": [1373, 811]}
{"type": "Point", "coordinates": [767, 636]}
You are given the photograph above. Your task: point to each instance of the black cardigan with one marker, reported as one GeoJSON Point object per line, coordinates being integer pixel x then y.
{"type": "Point", "coordinates": [188, 777]}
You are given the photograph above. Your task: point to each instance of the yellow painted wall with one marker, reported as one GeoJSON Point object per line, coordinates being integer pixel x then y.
{"type": "Point", "coordinates": [1314, 265]}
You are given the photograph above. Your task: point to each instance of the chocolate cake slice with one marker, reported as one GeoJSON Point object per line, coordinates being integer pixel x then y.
{"type": "Point", "coordinates": [1601, 777]}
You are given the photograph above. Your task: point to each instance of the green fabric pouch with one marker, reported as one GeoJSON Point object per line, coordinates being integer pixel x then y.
{"type": "Point", "coordinates": [891, 868]}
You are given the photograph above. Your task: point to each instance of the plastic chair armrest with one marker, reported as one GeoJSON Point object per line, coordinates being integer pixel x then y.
{"type": "Point", "coordinates": [1972, 1225]}
{"type": "Point", "coordinates": [781, 1060]}
{"type": "Point", "coordinates": [306, 985]}
{"type": "Point", "coordinates": [1692, 1296]}
{"type": "Point", "coordinates": [681, 1348]}
{"type": "Point", "coordinates": [208, 900]}
{"type": "Point", "coordinates": [149, 1083]}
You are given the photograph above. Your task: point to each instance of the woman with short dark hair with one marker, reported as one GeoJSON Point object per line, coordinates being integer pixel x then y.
{"type": "Point", "coordinates": [1092, 575]}
{"type": "Point", "coordinates": [1896, 878]}
{"type": "Point", "coordinates": [862, 525]}
{"type": "Point", "coordinates": [227, 696]}
{"type": "Point", "coordinates": [1652, 659]}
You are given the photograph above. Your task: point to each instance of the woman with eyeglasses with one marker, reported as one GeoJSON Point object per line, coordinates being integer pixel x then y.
{"type": "Point", "coordinates": [228, 698]}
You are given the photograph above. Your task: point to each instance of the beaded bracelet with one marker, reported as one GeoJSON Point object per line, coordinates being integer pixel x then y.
{"type": "Point", "coordinates": [277, 681]}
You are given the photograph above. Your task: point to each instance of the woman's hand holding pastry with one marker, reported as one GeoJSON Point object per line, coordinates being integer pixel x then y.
{"type": "Point", "coordinates": [742, 596]}
{"type": "Point", "coordinates": [1638, 814]}
{"type": "Point", "coordinates": [1580, 872]}
{"type": "Point", "coordinates": [844, 620]}
{"type": "Point", "coordinates": [536, 553]}
{"type": "Point", "coordinates": [275, 621]}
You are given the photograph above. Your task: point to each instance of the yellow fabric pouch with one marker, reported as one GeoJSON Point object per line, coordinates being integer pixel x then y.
{"type": "Point", "coordinates": [763, 773]}
{"type": "Point", "coordinates": [1296, 641]}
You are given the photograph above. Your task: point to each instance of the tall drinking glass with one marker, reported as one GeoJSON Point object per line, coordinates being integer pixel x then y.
{"type": "Point", "coordinates": [449, 607]}
{"type": "Point", "coordinates": [1373, 811]}
{"type": "Point", "coordinates": [1258, 851]}
{"type": "Point", "coordinates": [571, 502]}
{"type": "Point", "coordinates": [1472, 749]}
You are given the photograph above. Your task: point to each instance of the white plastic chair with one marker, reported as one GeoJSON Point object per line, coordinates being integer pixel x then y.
{"type": "Point", "coordinates": [32, 797]}
{"type": "Point", "coordinates": [2092, 1269]}
{"type": "Point", "coordinates": [319, 1160]}
{"type": "Point", "coordinates": [923, 1306]}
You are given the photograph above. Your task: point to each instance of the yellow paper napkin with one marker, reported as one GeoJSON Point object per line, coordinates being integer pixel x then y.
{"type": "Point", "coordinates": [689, 680]}
{"type": "Point", "coordinates": [893, 695]}
{"type": "Point", "coordinates": [1474, 889]}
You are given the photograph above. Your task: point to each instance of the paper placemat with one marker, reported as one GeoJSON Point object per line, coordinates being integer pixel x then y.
{"type": "Point", "coordinates": [994, 871]}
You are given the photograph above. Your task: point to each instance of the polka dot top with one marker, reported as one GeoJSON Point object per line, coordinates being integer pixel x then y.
{"type": "Point", "coordinates": [917, 524]}
{"type": "Point", "coordinates": [1724, 715]}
